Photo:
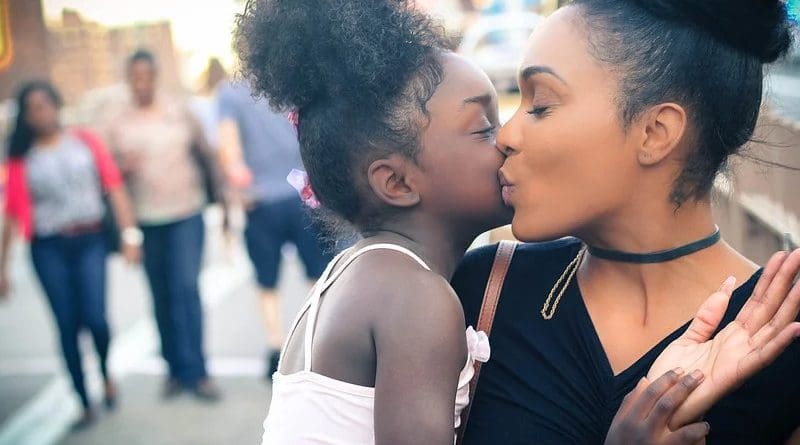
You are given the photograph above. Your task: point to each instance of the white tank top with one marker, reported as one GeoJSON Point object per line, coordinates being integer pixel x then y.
{"type": "Point", "coordinates": [308, 408]}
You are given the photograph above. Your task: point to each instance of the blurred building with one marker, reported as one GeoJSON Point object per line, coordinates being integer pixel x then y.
{"type": "Point", "coordinates": [23, 44]}
{"type": "Point", "coordinates": [86, 56]}
{"type": "Point", "coordinates": [763, 203]}
{"type": "Point", "coordinates": [157, 38]}
{"type": "Point", "coordinates": [80, 55]}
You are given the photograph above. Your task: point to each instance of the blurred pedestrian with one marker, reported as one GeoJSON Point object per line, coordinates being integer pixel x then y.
{"type": "Point", "coordinates": [56, 182]}
{"type": "Point", "coordinates": [258, 149]}
{"type": "Point", "coordinates": [205, 104]}
{"type": "Point", "coordinates": [168, 168]}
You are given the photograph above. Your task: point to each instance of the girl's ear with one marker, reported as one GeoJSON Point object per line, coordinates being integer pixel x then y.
{"type": "Point", "coordinates": [388, 179]}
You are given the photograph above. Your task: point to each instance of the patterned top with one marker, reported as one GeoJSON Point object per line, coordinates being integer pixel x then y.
{"type": "Point", "coordinates": [155, 153]}
{"type": "Point", "coordinates": [64, 186]}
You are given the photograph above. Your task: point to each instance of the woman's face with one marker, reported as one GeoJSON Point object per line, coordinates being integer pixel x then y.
{"type": "Point", "coordinates": [460, 159]}
{"type": "Point", "coordinates": [570, 163]}
{"type": "Point", "coordinates": [41, 112]}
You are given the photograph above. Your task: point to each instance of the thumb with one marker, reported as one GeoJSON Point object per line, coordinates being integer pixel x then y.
{"type": "Point", "coordinates": [710, 314]}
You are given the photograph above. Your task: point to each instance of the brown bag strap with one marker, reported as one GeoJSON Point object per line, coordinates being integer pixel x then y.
{"type": "Point", "coordinates": [502, 261]}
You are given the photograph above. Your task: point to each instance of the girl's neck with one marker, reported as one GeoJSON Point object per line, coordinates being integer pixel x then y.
{"type": "Point", "coordinates": [438, 247]}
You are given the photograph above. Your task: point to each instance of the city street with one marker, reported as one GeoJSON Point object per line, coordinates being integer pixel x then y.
{"type": "Point", "coordinates": [38, 404]}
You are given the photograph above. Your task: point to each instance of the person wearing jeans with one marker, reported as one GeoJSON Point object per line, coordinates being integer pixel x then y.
{"type": "Point", "coordinates": [172, 257]}
{"type": "Point", "coordinates": [157, 142]}
{"type": "Point", "coordinates": [56, 182]}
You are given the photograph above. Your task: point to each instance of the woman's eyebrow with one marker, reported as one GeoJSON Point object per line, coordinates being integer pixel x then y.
{"type": "Point", "coordinates": [534, 70]}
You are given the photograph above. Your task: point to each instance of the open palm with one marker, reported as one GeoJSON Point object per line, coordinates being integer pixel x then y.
{"type": "Point", "coordinates": [761, 331]}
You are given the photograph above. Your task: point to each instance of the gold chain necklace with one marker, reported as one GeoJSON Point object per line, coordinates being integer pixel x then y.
{"type": "Point", "coordinates": [566, 279]}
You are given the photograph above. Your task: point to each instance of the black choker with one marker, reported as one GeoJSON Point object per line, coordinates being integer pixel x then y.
{"type": "Point", "coordinates": [656, 257]}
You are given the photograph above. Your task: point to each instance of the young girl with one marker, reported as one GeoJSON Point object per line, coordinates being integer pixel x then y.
{"type": "Point", "coordinates": [398, 136]}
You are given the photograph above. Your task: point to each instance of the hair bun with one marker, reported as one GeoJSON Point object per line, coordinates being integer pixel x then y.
{"type": "Point", "coordinates": [297, 52]}
{"type": "Point", "coordinates": [757, 27]}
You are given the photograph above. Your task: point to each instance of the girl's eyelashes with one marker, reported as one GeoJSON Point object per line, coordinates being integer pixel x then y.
{"type": "Point", "coordinates": [486, 132]}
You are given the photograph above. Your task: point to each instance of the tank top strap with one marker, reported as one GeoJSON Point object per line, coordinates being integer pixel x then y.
{"type": "Point", "coordinates": [328, 278]}
{"type": "Point", "coordinates": [307, 305]}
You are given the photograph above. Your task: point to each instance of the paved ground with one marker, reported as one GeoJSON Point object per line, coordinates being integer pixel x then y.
{"type": "Point", "coordinates": [37, 404]}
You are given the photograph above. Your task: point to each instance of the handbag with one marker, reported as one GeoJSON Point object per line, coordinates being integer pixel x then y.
{"type": "Point", "coordinates": [491, 296]}
{"type": "Point", "coordinates": [109, 227]}
{"type": "Point", "coordinates": [208, 176]}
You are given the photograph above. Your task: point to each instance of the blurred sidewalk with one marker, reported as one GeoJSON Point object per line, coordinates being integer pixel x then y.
{"type": "Point", "coordinates": [37, 404]}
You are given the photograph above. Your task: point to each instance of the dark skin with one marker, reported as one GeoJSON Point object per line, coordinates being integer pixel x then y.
{"type": "Point", "coordinates": [553, 162]}
{"type": "Point", "coordinates": [42, 116]}
{"type": "Point", "coordinates": [403, 334]}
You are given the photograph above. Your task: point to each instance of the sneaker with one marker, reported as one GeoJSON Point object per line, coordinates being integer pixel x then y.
{"type": "Point", "coordinates": [206, 391]}
{"type": "Point", "coordinates": [273, 358]}
{"type": "Point", "coordinates": [87, 420]}
{"type": "Point", "coordinates": [171, 389]}
{"type": "Point", "coordinates": [110, 395]}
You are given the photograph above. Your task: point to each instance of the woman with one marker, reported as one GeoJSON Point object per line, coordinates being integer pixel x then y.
{"type": "Point", "coordinates": [56, 182]}
{"type": "Point", "coordinates": [660, 93]}
{"type": "Point", "coordinates": [158, 145]}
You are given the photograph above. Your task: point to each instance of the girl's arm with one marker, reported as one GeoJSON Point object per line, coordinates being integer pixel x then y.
{"type": "Point", "coordinates": [420, 348]}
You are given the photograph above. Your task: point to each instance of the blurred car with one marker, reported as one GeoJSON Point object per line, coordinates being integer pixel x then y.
{"type": "Point", "coordinates": [497, 42]}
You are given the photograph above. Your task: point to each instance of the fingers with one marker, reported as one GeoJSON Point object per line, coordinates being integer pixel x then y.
{"type": "Point", "coordinates": [788, 310]}
{"type": "Point", "coordinates": [775, 295]}
{"type": "Point", "coordinates": [760, 291]}
{"type": "Point", "coordinates": [766, 354]}
{"type": "Point", "coordinates": [710, 314]}
{"type": "Point", "coordinates": [649, 396]}
{"type": "Point", "coordinates": [668, 403]}
{"type": "Point", "coordinates": [629, 399]}
{"type": "Point", "coordinates": [689, 435]}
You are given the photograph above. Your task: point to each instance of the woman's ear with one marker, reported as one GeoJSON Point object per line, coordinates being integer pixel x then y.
{"type": "Point", "coordinates": [664, 127]}
{"type": "Point", "coordinates": [389, 179]}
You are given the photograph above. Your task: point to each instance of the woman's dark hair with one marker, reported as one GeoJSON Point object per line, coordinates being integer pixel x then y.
{"type": "Point", "coordinates": [360, 73]}
{"type": "Point", "coordinates": [23, 135]}
{"type": "Point", "coordinates": [707, 56]}
{"type": "Point", "coordinates": [141, 55]}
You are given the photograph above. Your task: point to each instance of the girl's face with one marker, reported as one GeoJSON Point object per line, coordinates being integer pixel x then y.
{"type": "Point", "coordinates": [460, 159]}
{"type": "Point", "coordinates": [571, 164]}
{"type": "Point", "coordinates": [41, 113]}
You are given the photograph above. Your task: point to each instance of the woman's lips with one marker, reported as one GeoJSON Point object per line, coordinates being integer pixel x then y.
{"type": "Point", "coordinates": [507, 189]}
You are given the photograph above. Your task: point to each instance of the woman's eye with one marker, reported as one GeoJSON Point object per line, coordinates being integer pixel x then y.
{"type": "Point", "coordinates": [540, 111]}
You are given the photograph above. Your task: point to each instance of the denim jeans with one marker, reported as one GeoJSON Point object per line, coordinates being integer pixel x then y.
{"type": "Point", "coordinates": [72, 271]}
{"type": "Point", "coordinates": [172, 259]}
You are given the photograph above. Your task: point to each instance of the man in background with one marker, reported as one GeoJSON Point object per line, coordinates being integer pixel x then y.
{"type": "Point", "coordinates": [258, 150]}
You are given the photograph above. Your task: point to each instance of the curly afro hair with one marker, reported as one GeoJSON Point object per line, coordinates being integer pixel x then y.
{"type": "Point", "coordinates": [359, 72]}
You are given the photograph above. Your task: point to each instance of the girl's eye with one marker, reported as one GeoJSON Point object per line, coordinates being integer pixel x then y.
{"type": "Point", "coordinates": [540, 112]}
{"type": "Point", "coordinates": [486, 132]}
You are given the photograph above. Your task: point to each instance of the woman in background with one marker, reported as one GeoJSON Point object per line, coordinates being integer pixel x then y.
{"type": "Point", "coordinates": [56, 181]}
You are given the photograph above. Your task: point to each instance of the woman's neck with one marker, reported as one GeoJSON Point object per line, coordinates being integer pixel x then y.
{"type": "Point", "coordinates": [49, 138]}
{"type": "Point", "coordinates": [658, 230]}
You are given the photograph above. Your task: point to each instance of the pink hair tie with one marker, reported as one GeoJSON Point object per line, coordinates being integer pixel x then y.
{"type": "Point", "coordinates": [299, 180]}
{"type": "Point", "coordinates": [294, 119]}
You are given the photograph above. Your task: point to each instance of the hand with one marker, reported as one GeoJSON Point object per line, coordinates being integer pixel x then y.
{"type": "Point", "coordinates": [763, 329]}
{"type": "Point", "coordinates": [132, 253]}
{"type": "Point", "coordinates": [240, 177]}
{"type": "Point", "coordinates": [642, 418]}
